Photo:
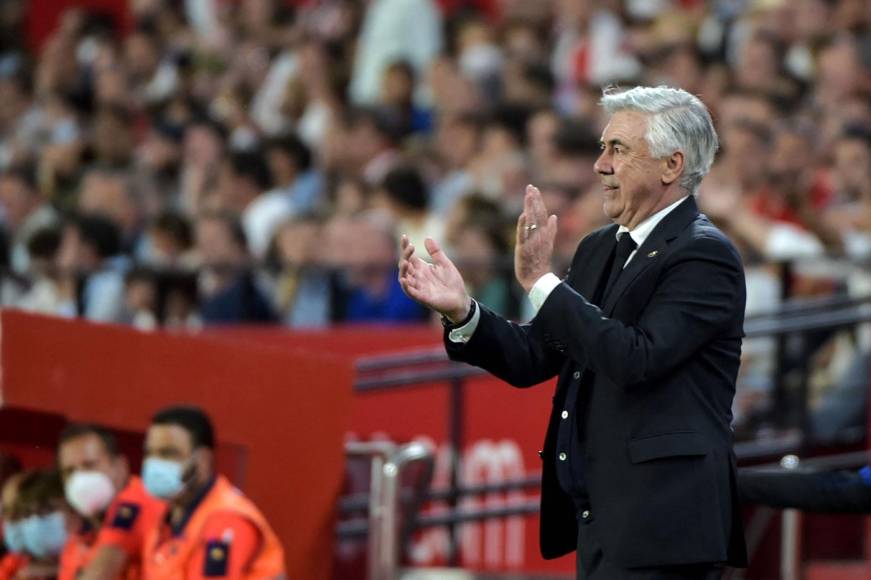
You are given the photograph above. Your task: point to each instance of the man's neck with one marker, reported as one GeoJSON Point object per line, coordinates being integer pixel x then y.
{"type": "Point", "coordinates": [667, 199]}
{"type": "Point", "coordinates": [182, 502]}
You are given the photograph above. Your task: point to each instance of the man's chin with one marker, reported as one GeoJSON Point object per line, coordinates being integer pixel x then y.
{"type": "Point", "coordinates": [611, 212]}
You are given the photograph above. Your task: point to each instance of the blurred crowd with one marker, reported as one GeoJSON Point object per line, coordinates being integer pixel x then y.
{"type": "Point", "coordinates": [253, 161]}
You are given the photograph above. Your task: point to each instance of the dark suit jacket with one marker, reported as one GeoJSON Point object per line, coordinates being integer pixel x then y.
{"type": "Point", "coordinates": [655, 418]}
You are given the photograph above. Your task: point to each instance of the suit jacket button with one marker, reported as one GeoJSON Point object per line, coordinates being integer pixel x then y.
{"type": "Point", "coordinates": [562, 456]}
{"type": "Point", "coordinates": [585, 514]}
{"type": "Point", "coordinates": [576, 375]}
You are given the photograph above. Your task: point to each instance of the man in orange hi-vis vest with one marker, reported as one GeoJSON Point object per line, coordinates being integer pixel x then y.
{"type": "Point", "coordinates": [209, 529]}
{"type": "Point", "coordinates": [115, 510]}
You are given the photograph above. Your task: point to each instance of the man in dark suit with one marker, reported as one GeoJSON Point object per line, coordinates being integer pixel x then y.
{"type": "Point", "coordinates": [645, 335]}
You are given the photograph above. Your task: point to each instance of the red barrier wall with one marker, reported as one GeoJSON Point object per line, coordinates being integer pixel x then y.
{"type": "Point", "coordinates": [280, 414]}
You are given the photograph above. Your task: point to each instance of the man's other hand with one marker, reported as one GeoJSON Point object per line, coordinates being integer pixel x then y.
{"type": "Point", "coordinates": [536, 232]}
{"type": "Point", "coordinates": [438, 286]}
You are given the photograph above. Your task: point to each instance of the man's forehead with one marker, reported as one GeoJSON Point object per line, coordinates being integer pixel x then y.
{"type": "Point", "coordinates": [625, 125]}
{"type": "Point", "coordinates": [87, 444]}
{"type": "Point", "coordinates": [168, 436]}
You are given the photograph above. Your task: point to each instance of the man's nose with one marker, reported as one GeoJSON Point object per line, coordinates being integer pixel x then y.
{"type": "Point", "coordinates": [602, 164]}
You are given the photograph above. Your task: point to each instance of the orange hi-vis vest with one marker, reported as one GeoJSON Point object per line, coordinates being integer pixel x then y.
{"type": "Point", "coordinates": [170, 559]}
{"type": "Point", "coordinates": [11, 564]}
{"type": "Point", "coordinates": [76, 555]}
{"type": "Point", "coordinates": [130, 511]}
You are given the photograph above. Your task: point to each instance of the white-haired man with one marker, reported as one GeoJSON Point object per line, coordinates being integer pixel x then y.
{"type": "Point", "coordinates": [645, 335]}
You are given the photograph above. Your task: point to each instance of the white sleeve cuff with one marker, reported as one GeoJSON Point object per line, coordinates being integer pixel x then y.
{"type": "Point", "coordinates": [542, 289]}
{"type": "Point", "coordinates": [464, 333]}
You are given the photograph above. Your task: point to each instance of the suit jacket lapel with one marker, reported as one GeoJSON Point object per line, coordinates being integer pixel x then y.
{"type": "Point", "coordinates": [652, 249]}
{"type": "Point", "coordinates": [590, 271]}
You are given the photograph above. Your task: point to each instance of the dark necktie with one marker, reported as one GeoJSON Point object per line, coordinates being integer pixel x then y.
{"type": "Point", "coordinates": [625, 246]}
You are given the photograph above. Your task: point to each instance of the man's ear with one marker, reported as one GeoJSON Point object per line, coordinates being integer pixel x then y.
{"type": "Point", "coordinates": [674, 165]}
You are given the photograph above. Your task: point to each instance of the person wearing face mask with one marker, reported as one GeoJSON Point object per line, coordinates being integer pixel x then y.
{"type": "Point", "coordinates": [209, 529]}
{"type": "Point", "coordinates": [116, 511]}
{"type": "Point", "coordinates": [15, 558]}
{"type": "Point", "coordinates": [43, 523]}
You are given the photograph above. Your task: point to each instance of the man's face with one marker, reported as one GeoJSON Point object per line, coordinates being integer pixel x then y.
{"type": "Point", "coordinates": [73, 254]}
{"type": "Point", "coordinates": [215, 245]}
{"type": "Point", "coordinates": [852, 166]}
{"type": "Point", "coordinates": [747, 151]}
{"type": "Point", "coordinates": [630, 176]}
{"type": "Point", "coordinates": [18, 201]}
{"type": "Point", "coordinates": [89, 453]}
{"type": "Point", "coordinates": [108, 196]}
{"type": "Point", "coordinates": [791, 160]}
{"type": "Point", "coordinates": [456, 141]}
{"type": "Point", "coordinates": [174, 443]}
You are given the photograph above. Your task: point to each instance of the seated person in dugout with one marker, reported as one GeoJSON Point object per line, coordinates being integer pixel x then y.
{"type": "Point", "coordinates": [15, 558]}
{"type": "Point", "coordinates": [209, 528]}
{"type": "Point", "coordinates": [44, 520]}
{"type": "Point", "coordinates": [114, 507]}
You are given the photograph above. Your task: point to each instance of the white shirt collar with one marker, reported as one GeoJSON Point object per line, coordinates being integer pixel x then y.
{"type": "Point", "coordinates": [644, 229]}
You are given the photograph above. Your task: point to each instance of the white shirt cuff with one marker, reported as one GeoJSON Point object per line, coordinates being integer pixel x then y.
{"type": "Point", "coordinates": [542, 289]}
{"type": "Point", "coordinates": [464, 333]}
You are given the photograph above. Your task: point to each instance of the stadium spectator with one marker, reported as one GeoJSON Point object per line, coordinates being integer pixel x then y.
{"type": "Point", "coordinates": [478, 245]}
{"type": "Point", "coordinates": [115, 510]}
{"type": "Point", "coordinates": [296, 190]}
{"type": "Point", "coordinates": [92, 269]}
{"type": "Point", "coordinates": [404, 196]}
{"type": "Point", "coordinates": [393, 30]}
{"type": "Point", "coordinates": [25, 211]}
{"type": "Point", "coordinates": [169, 242]}
{"type": "Point", "coordinates": [303, 287]}
{"type": "Point", "coordinates": [852, 175]}
{"type": "Point", "coordinates": [109, 194]}
{"type": "Point", "coordinates": [209, 528]}
{"type": "Point", "coordinates": [363, 248]}
{"type": "Point", "coordinates": [457, 139]}
{"type": "Point", "coordinates": [141, 294]}
{"type": "Point", "coordinates": [230, 291]}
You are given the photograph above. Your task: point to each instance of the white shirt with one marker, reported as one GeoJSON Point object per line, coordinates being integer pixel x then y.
{"type": "Point", "coordinates": [545, 285]}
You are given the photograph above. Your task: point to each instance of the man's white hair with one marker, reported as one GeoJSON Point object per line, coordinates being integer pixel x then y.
{"type": "Point", "coordinates": [677, 121]}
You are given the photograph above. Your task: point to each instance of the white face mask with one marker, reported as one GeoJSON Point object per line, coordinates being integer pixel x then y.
{"type": "Point", "coordinates": [89, 492]}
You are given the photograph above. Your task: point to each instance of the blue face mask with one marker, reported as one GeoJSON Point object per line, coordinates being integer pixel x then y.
{"type": "Point", "coordinates": [163, 478]}
{"type": "Point", "coordinates": [13, 536]}
{"type": "Point", "coordinates": [44, 536]}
